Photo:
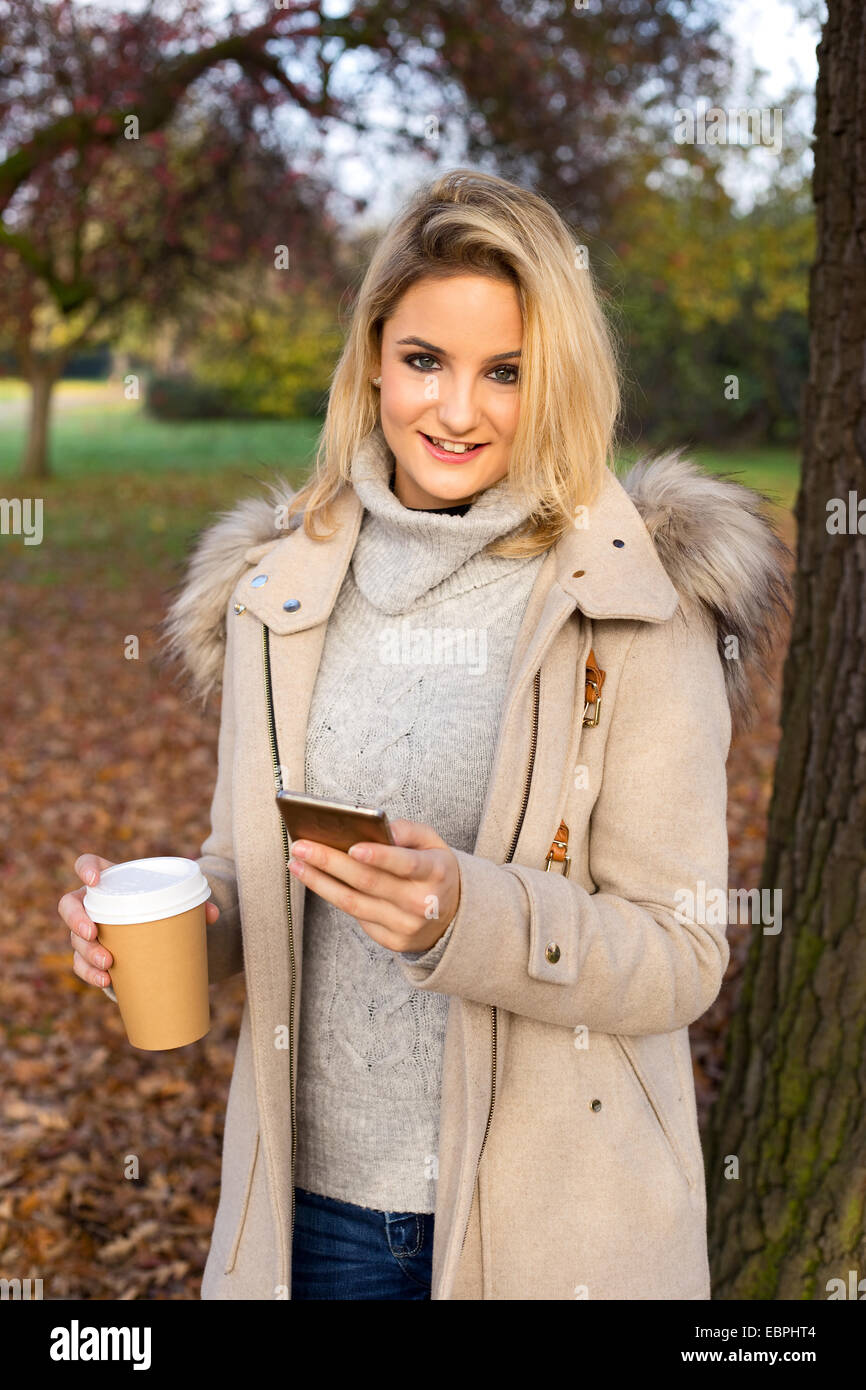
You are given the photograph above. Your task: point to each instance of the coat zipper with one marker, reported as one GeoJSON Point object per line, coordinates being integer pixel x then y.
{"type": "Point", "coordinates": [278, 784]}
{"type": "Point", "coordinates": [493, 1007]}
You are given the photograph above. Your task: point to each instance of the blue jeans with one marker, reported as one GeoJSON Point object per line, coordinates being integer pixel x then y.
{"type": "Point", "coordinates": [343, 1251]}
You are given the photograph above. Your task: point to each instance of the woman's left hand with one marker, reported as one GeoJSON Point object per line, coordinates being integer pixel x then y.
{"type": "Point", "coordinates": [404, 896]}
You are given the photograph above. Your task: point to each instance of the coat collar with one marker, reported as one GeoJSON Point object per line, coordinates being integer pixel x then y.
{"type": "Point", "coordinates": [604, 579]}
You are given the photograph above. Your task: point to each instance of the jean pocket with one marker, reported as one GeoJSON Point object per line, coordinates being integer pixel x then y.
{"type": "Point", "coordinates": [405, 1231]}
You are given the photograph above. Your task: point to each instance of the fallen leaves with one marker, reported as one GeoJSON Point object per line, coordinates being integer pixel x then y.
{"type": "Point", "coordinates": [109, 1157]}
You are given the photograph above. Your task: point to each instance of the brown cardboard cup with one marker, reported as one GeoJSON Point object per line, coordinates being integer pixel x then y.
{"type": "Point", "coordinates": [150, 915]}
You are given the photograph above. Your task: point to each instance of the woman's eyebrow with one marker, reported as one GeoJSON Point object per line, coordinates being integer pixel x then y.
{"type": "Point", "coordinates": [419, 342]}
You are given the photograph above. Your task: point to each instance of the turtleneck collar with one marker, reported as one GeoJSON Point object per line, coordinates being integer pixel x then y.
{"type": "Point", "coordinates": [402, 554]}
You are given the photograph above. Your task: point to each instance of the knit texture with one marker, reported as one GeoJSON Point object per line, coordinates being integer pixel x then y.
{"type": "Point", "coordinates": [404, 715]}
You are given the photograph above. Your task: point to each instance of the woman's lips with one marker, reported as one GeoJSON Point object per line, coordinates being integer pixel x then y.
{"type": "Point", "coordinates": [445, 457]}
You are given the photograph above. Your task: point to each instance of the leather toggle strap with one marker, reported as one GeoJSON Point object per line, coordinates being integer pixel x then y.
{"type": "Point", "coordinates": [594, 682]}
{"type": "Point", "coordinates": [558, 852]}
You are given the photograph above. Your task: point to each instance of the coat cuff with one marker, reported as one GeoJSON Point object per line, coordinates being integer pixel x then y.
{"type": "Point", "coordinates": [497, 937]}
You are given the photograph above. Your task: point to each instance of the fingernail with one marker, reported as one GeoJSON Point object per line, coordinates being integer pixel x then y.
{"type": "Point", "coordinates": [359, 852]}
{"type": "Point", "coordinates": [301, 849]}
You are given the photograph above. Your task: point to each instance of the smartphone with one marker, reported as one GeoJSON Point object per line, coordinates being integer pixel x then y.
{"type": "Point", "coordinates": [334, 823]}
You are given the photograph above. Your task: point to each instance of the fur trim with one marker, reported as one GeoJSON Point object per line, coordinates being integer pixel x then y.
{"type": "Point", "coordinates": [720, 550]}
{"type": "Point", "coordinates": [710, 533]}
{"type": "Point", "coordinates": [193, 634]}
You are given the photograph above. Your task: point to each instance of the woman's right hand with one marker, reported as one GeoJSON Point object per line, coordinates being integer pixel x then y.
{"type": "Point", "coordinates": [90, 959]}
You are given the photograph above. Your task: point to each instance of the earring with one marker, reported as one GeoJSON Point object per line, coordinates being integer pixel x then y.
{"type": "Point", "coordinates": [377, 381]}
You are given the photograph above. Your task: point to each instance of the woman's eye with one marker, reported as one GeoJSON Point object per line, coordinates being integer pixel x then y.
{"type": "Point", "coordinates": [420, 357]}
{"type": "Point", "coordinates": [506, 381]}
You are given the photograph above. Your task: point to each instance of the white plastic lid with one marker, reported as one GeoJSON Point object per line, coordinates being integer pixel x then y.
{"type": "Point", "coordinates": [146, 890]}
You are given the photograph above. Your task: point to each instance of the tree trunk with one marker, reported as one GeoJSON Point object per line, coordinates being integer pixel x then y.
{"type": "Point", "coordinates": [791, 1108]}
{"type": "Point", "coordinates": [43, 376]}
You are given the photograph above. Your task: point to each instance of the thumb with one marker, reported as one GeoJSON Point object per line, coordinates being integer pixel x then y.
{"type": "Point", "coordinates": [413, 834]}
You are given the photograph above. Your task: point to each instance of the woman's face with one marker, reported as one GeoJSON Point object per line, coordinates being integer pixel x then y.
{"type": "Point", "coordinates": [449, 361]}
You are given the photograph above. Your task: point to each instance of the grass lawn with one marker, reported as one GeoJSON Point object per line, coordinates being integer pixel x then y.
{"type": "Point", "coordinates": [129, 493]}
{"type": "Point", "coordinates": [117, 437]}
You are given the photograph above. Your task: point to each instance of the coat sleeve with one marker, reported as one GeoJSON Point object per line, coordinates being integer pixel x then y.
{"type": "Point", "coordinates": [646, 952]}
{"type": "Point", "coordinates": [217, 861]}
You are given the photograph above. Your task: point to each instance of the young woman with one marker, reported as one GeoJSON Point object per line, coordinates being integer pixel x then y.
{"type": "Point", "coordinates": [463, 1070]}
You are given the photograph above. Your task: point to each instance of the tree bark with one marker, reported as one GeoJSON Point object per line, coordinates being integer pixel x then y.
{"type": "Point", "coordinates": [43, 375]}
{"type": "Point", "coordinates": [791, 1108]}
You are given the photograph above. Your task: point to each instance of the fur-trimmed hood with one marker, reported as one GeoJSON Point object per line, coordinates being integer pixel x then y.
{"type": "Point", "coordinates": [710, 533]}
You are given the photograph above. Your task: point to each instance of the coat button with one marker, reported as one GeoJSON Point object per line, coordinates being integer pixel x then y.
{"type": "Point", "coordinates": [259, 580]}
{"type": "Point", "coordinates": [619, 544]}
{"type": "Point", "coordinates": [552, 952]}
{"type": "Point", "coordinates": [595, 1105]}
{"type": "Point", "coordinates": [291, 605]}
{"type": "Point", "coordinates": [240, 608]}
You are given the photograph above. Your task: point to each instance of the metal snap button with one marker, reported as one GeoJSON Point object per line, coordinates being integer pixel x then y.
{"type": "Point", "coordinates": [552, 952]}
{"type": "Point", "coordinates": [595, 1105]}
{"type": "Point", "coordinates": [291, 605]}
{"type": "Point", "coordinates": [619, 543]}
{"type": "Point", "coordinates": [240, 608]}
{"type": "Point", "coordinates": [259, 580]}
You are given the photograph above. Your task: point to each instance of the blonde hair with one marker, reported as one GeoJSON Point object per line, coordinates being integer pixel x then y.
{"type": "Point", "coordinates": [474, 223]}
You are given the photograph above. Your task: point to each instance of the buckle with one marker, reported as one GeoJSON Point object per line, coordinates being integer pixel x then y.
{"type": "Point", "coordinates": [594, 705]}
{"type": "Point", "coordinates": [562, 844]}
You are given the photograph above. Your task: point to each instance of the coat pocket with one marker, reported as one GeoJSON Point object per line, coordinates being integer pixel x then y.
{"type": "Point", "coordinates": [235, 1245]}
{"type": "Point", "coordinates": [631, 1062]}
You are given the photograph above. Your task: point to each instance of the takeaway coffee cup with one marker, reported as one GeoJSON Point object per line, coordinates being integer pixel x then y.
{"type": "Point", "coordinates": [150, 915]}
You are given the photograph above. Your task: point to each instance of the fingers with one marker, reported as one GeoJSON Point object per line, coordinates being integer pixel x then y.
{"type": "Point", "coordinates": [89, 867]}
{"type": "Point", "coordinates": [211, 911]}
{"type": "Point", "coordinates": [416, 835]}
{"type": "Point", "coordinates": [367, 866]}
{"type": "Point", "coordinates": [358, 897]}
{"type": "Point", "coordinates": [71, 909]}
{"type": "Point", "coordinates": [90, 960]}
{"type": "Point", "coordinates": [88, 973]}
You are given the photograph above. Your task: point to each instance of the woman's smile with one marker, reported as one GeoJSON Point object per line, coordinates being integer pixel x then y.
{"type": "Point", "coordinates": [451, 451]}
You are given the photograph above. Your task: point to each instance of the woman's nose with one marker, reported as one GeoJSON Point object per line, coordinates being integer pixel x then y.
{"type": "Point", "coordinates": [458, 411]}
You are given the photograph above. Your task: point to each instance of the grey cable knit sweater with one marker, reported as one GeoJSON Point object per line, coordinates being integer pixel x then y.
{"type": "Point", "coordinates": [404, 715]}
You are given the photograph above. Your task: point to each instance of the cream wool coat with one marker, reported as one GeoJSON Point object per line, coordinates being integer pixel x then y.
{"type": "Point", "coordinates": [570, 1162]}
